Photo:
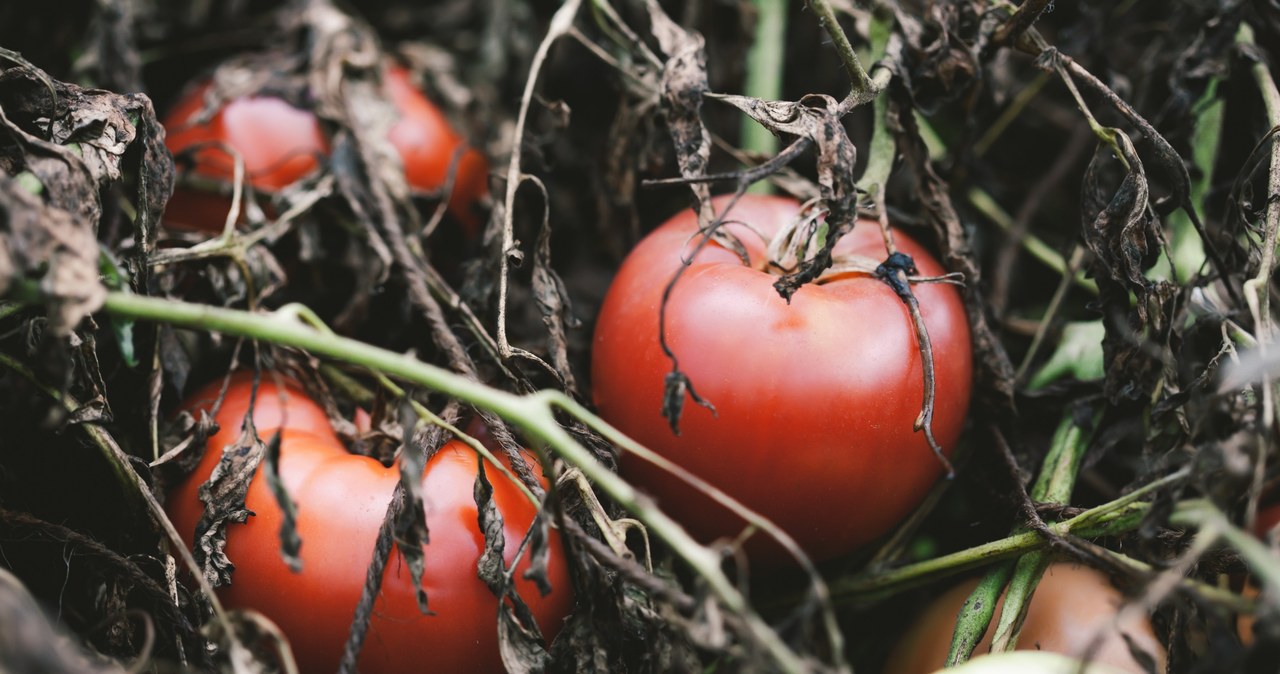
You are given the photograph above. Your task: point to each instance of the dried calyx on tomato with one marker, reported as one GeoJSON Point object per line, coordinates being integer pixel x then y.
{"type": "Point", "coordinates": [341, 500]}
{"type": "Point", "coordinates": [280, 142]}
{"type": "Point", "coordinates": [815, 400]}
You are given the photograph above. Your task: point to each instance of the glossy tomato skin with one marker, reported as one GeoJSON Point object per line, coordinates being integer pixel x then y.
{"type": "Point", "coordinates": [1070, 607]}
{"type": "Point", "coordinates": [280, 144]}
{"type": "Point", "coordinates": [815, 401]}
{"type": "Point", "coordinates": [341, 501]}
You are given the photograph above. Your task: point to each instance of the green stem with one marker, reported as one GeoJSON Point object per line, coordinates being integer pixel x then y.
{"type": "Point", "coordinates": [862, 88]}
{"type": "Point", "coordinates": [1101, 521]}
{"type": "Point", "coordinates": [1054, 484]}
{"type": "Point", "coordinates": [764, 77]}
{"type": "Point", "coordinates": [533, 414]}
{"type": "Point", "coordinates": [1109, 519]}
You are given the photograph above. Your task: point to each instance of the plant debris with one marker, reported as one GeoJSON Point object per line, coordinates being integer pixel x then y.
{"type": "Point", "coordinates": [1103, 176]}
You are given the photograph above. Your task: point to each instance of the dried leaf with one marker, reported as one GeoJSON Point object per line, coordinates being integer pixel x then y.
{"type": "Point", "coordinates": [519, 639]}
{"type": "Point", "coordinates": [36, 237]}
{"type": "Point", "coordinates": [410, 526]}
{"type": "Point", "coordinates": [290, 540]}
{"type": "Point", "coordinates": [683, 85]}
{"type": "Point", "coordinates": [224, 499]}
{"type": "Point", "coordinates": [72, 144]}
{"type": "Point", "coordinates": [1120, 229]}
{"type": "Point", "coordinates": [552, 298]}
{"type": "Point", "coordinates": [817, 118]}
{"type": "Point", "coordinates": [939, 58]}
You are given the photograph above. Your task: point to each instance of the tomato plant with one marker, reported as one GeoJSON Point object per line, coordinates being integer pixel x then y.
{"type": "Point", "coordinates": [341, 501]}
{"type": "Point", "coordinates": [1072, 606]}
{"type": "Point", "coordinates": [280, 143]}
{"type": "Point", "coordinates": [814, 400]}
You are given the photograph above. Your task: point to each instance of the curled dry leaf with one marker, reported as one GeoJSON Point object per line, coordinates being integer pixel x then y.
{"type": "Point", "coordinates": [817, 118]}
{"type": "Point", "coordinates": [70, 145]}
{"type": "Point", "coordinates": [683, 85]}
{"type": "Point", "coordinates": [224, 499]}
{"type": "Point", "coordinates": [37, 237]}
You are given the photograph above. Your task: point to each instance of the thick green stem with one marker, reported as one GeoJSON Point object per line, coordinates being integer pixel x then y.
{"type": "Point", "coordinates": [1054, 484]}
{"type": "Point", "coordinates": [1101, 521]}
{"type": "Point", "coordinates": [862, 88]}
{"type": "Point", "coordinates": [764, 77]}
{"type": "Point", "coordinates": [533, 414]}
{"type": "Point", "coordinates": [1109, 519]}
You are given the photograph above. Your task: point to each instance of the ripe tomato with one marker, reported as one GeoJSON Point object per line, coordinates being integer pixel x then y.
{"type": "Point", "coordinates": [1071, 606]}
{"type": "Point", "coordinates": [280, 143]}
{"type": "Point", "coordinates": [341, 501]}
{"type": "Point", "coordinates": [815, 400]}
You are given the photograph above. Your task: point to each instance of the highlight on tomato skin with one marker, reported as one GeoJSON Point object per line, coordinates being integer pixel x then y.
{"type": "Point", "coordinates": [341, 501]}
{"type": "Point", "coordinates": [815, 400]}
{"type": "Point", "coordinates": [1072, 606]}
{"type": "Point", "coordinates": [279, 144]}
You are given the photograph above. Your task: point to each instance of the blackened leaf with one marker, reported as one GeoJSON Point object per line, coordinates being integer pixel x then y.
{"type": "Point", "coordinates": [552, 298]}
{"type": "Point", "coordinates": [224, 499]}
{"type": "Point", "coordinates": [410, 526]}
{"type": "Point", "coordinates": [36, 237]}
{"type": "Point", "coordinates": [817, 118]}
{"type": "Point", "coordinates": [490, 567]}
{"type": "Point", "coordinates": [1120, 234]}
{"type": "Point", "coordinates": [290, 541]}
{"type": "Point", "coordinates": [684, 83]}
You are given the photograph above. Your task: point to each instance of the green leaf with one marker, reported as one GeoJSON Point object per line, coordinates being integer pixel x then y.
{"type": "Point", "coordinates": [116, 277]}
{"type": "Point", "coordinates": [1079, 354]}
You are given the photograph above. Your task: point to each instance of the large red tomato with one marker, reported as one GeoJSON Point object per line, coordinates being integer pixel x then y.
{"type": "Point", "coordinates": [815, 399]}
{"type": "Point", "coordinates": [341, 501]}
{"type": "Point", "coordinates": [280, 143]}
{"type": "Point", "coordinates": [1072, 607]}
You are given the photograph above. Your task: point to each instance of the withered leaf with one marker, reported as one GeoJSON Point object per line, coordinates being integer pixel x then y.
{"type": "Point", "coordinates": [410, 526]}
{"type": "Point", "coordinates": [995, 370]}
{"type": "Point", "coordinates": [519, 639]}
{"type": "Point", "coordinates": [36, 237]}
{"type": "Point", "coordinates": [684, 83]}
{"type": "Point", "coordinates": [552, 298]}
{"type": "Point", "coordinates": [1120, 232]}
{"type": "Point", "coordinates": [818, 118]}
{"type": "Point", "coordinates": [290, 540]}
{"type": "Point", "coordinates": [224, 499]}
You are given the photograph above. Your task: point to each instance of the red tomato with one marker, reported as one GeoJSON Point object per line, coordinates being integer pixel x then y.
{"type": "Point", "coordinates": [341, 501]}
{"type": "Point", "coordinates": [815, 400]}
{"type": "Point", "coordinates": [280, 143]}
{"type": "Point", "coordinates": [1071, 606]}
